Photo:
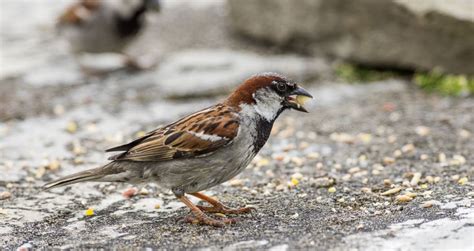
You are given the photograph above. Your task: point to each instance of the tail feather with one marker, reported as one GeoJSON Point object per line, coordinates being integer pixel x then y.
{"type": "Point", "coordinates": [88, 175]}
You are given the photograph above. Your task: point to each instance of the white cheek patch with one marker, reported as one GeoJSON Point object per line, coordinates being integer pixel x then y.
{"type": "Point", "coordinates": [268, 104]}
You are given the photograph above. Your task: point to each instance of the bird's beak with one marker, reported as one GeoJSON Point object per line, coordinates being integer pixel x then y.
{"type": "Point", "coordinates": [297, 98]}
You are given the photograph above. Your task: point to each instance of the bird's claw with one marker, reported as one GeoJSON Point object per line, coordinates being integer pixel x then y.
{"type": "Point", "coordinates": [226, 210]}
{"type": "Point", "coordinates": [206, 220]}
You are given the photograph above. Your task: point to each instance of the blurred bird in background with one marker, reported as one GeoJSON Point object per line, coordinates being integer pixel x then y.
{"type": "Point", "coordinates": [97, 26]}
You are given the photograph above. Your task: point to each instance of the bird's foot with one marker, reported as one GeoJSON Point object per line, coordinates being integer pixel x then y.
{"type": "Point", "coordinates": [206, 220]}
{"type": "Point", "coordinates": [226, 210]}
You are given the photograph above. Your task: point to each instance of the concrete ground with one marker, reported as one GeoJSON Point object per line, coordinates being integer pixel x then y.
{"type": "Point", "coordinates": [372, 166]}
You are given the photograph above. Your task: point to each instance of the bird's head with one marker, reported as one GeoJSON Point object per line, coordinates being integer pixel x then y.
{"type": "Point", "coordinates": [269, 94]}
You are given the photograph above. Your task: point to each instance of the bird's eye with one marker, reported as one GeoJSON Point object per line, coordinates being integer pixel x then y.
{"type": "Point", "coordinates": [281, 87]}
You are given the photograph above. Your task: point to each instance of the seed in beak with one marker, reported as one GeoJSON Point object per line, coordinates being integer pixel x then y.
{"type": "Point", "coordinates": [301, 100]}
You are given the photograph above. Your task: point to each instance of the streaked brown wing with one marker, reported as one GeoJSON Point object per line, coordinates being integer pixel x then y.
{"type": "Point", "coordinates": [198, 134]}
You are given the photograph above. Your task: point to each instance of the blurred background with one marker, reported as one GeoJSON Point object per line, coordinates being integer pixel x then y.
{"type": "Point", "coordinates": [388, 137]}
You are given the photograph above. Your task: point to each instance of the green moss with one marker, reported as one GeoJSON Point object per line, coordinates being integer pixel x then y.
{"type": "Point", "coordinates": [352, 73]}
{"type": "Point", "coordinates": [434, 81]}
{"type": "Point", "coordinates": [445, 84]}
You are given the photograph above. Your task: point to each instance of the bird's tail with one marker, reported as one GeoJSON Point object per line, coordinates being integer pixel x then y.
{"type": "Point", "coordinates": [89, 175]}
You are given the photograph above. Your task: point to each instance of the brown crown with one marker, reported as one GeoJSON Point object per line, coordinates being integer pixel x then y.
{"type": "Point", "coordinates": [244, 93]}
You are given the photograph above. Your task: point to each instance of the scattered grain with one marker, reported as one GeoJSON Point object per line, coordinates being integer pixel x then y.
{"type": "Point", "coordinates": [415, 180]}
{"type": "Point", "coordinates": [71, 127]}
{"type": "Point", "coordinates": [388, 160]}
{"type": "Point", "coordinates": [403, 198]}
{"type": "Point", "coordinates": [442, 158]}
{"type": "Point", "coordinates": [392, 191]}
{"type": "Point", "coordinates": [89, 212]}
{"type": "Point", "coordinates": [463, 181]}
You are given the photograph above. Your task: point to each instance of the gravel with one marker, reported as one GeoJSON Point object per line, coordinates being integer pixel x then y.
{"type": "Point", "coordinates": [371, 164]}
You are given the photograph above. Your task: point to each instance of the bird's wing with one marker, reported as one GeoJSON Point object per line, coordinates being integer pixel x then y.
{"type": "Point", "coordinates": [198, 134]}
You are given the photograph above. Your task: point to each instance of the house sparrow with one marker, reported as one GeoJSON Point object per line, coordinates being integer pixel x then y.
{"type": "Point", "coordinates": [203, 149]}
{"type": "Point", "coordinates": [95, 26]}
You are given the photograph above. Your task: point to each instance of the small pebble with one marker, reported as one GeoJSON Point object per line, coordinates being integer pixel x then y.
{"type": "Point", "coordinates": [5, 195]}
{"type": "Point", "coordinates": [387, 182]}
{"type": "Point", "coordinates": [297, 176]}
{"type": "Point", "coordinates": [366, 190]}
{"type": "Point", "coordinates": [313, 155]}
{"type": "Point", "coordinates": [58, 110]}
{"type": "Point", "coordinates": [391, 139]}
{"type": "Point", "coordinates": [332, 189]}
{"type": "Point", "coordinates": [25, 247]}
{"type": "Point", "coordinates": [322, 182]}
{"type": "Point", "coordinates": [354, 170]}
{"type": "Point", "coordinates": [280, 187]}
{"type": "Point", "coordinates": [279, 157]}
{"type": "Point", "coordinates": [422, 130]}
{"type": "Point", "coordinates": [303, 145]}
{"type": "Point", "coordinates": [464, 134]}
{"type": "Point", "coordinates": [302, 195]}
{"type": "Point", "coordinates": [236, 183]}
{"type": "Point", "coordinates": [428, 204]}
{"type": "Point", "coordinates": [130, 192]}
{"type": "Point", "coordinates": [408, 148]}
{"type": "Point", "coordinates": [294, 216]}
{"type": "Point", "coordinates": [458, 160]}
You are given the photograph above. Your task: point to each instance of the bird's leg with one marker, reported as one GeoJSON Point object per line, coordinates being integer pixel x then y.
{"type": "Point", "coordinates": [218, 207]}
{"type": "Point", "coordinates": [200, 217]}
